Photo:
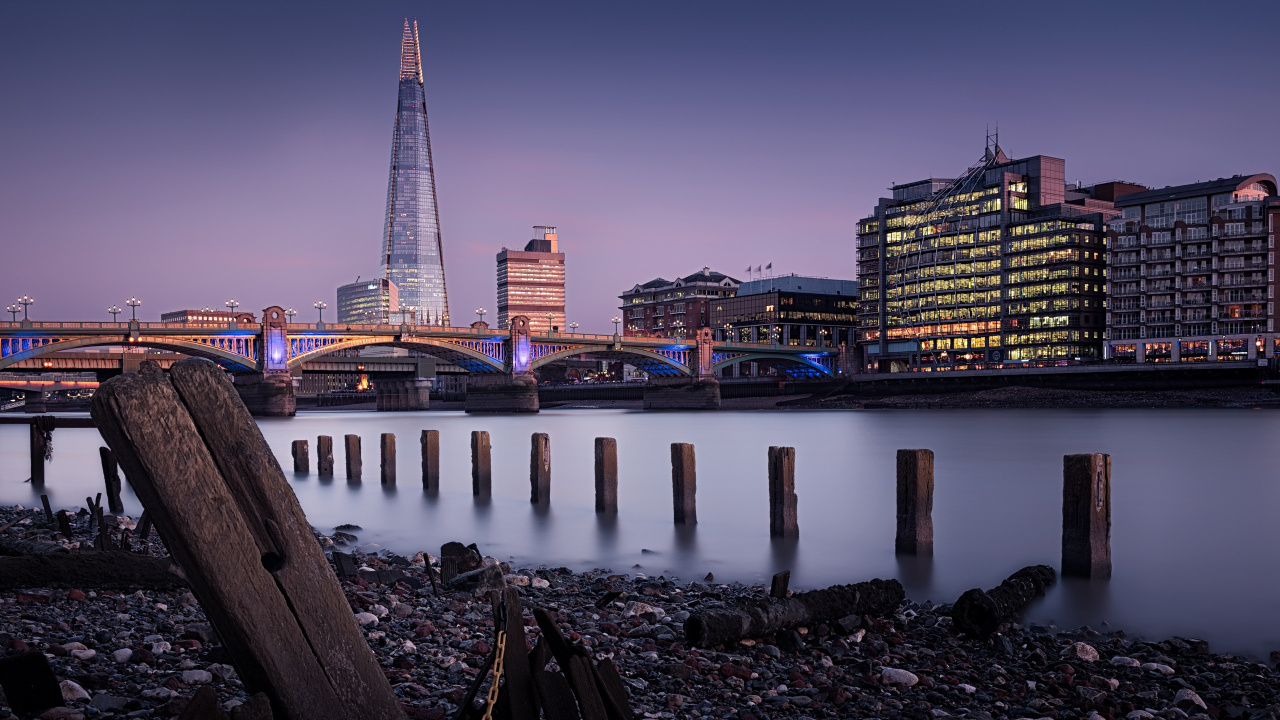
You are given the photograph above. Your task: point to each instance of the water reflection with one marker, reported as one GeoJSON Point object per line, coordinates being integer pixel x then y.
{"type": "Point", "coordinates": [916, 574]}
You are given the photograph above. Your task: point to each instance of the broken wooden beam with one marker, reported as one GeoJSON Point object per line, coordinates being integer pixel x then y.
{"type": "Point", "coordinates": [980, 613]}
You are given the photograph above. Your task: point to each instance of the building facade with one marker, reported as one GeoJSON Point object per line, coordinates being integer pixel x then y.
{"type": "Point", "coordinates": [1005, 263]}
{"type": "Point", "coordinates": [208, 315]}
{"type": "Point", "coordinates": [662, 308]}
{"type": "Point", "coordinates": [789, 310]}
{"type": "Point", "coordinates": [369, 302]}
{"type": "Point", "coordinates": [1192, 272]}
{"type": "Point", "coordinates": [531, 282]}
{"type": "Point", "coordinates": [412, 253]}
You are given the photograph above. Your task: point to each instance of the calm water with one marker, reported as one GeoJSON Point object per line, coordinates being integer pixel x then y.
{"type": "Point", "coordinates": [1194, 495]}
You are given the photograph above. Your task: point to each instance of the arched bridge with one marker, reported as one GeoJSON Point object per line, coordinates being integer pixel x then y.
{"type": "Point", "coordinates": [276, 346]}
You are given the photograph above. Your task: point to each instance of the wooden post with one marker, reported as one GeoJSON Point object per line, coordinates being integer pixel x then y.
{"type": "Point", "coordinates": [431, 460]}
{"type": "Point", "coordinates": [301, 457]}
{"type": "Point", "coordinates": [388, 448]}
{"type": "Point", "coordinates": [37, 453]}
{"type": "Point", "coordinates": [606, 475]}
{"type": "Point", "coordinates": [779, 587]}
{"type": "Point", "coordinates": [324, 456]}
{"type": "Point", "coordinates": [111, 475]}
{"type": "Point", "coordinates": [915, 503]}
{"type": "Point", "coordinates": [540, 469]}
{"type": "Point", "coordinates": [684, 484]}
{"type": "Point", "coordinates": [201, 467]}
{"type": "Point", "coordinates": [1086, 515]}
{"type": "Point", "coordinates": [481, 464]}
{"type": "Point", "coordinates": [782, 493]}
{"type": "Point", "coordinates": [354, 463]}
{"type": "Point", "coordinates": [48, 511]}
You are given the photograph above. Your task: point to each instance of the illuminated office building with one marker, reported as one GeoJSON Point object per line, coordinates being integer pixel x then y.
{"type": "Point", "coordinates": [368, 302]}
{"type": "Point", "coordinates": [1004, 264]}
{"type": "Point", "coordinates": [412, 255]}
{"type": "Point", "coordinates": [531, 282]}
{"type": "Point", "coordinates": [674, 309]}
{"type": "Point", "coordinates": [789, 310]}
{"type": "Point", "coordinates": [1192, 272]}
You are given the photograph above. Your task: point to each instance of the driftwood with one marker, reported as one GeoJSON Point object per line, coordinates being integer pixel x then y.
{"type": "Point", "coordinates": [88, 570]}
{"type": "Point", "coordinates": [765, 617]}
{"type": "Point", "coordinates": [979, 613]}
{"type": "Point", "coordinates": [220, 501]}
{"type": "Point", "coordinates": [15, 547]}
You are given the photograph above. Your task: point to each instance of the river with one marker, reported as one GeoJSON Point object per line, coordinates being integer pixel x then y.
{"type": "Point", "coordinates": [1194, 495]}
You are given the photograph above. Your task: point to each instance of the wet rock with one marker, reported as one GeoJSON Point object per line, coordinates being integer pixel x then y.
{"type": "Point", "coordinates": [901, 677]}
{"type": "Point", "coordinates": [72, 692]}
{"type": "Point", "coordinates": [1080, 651]}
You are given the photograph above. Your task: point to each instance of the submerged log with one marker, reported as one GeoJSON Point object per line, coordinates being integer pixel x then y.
{"type": "Point", "coordinates": [979, 613]}
{"type": "Point", "coordinates": [765, 617]}
{"type": "Point", "coordinates": [110, 570]}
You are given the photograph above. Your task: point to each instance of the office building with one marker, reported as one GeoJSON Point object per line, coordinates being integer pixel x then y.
{"type": "Point", "coordinates": [789, 310]}
{"type": "Point", "coordinates": [531, 282]}
{"type": "Point", "coordinates": [662, 308]}
{"type": "Point", "coordinates": [412, 254]}
{"type": "Point", "coordinates": [1192, 272]}
{"type": "Point", "coordinates": [368, 302]}
{"type": "Point", "coordinates": [1004, 264]}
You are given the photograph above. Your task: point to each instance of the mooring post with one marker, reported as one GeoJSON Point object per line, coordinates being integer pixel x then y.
{"type": "Point", "coordinates": [481, 464]}
{"type": "Point", "coordinates": [540, 469]}
{"type": "Point", "coordinates": [915, 503]}
{"type": "Point", "coordinates": [431, 460]}
{"type": "Point", "coordinates": [301, 457]}
{"type": "Point", "coordinates": [111, 475]}
{"type": "Point", "coordinates": [782, 493]}
{"type": "Point", "coordinates": [779, 587]}
{"type": "Point", "coordinates": [324, 456]}
{"type": "Point", "coordinates": [684, 484]}
{"type": "Point", "coordinates": [388, 448]}
{"type": "Point", "coordinates": [606, 475]}
{"type": "Point", "coordinates": [1086, 515]}
{"type": "Point", "coordinates": [354, 464]}
{"type": "Point", "coordinates": [37, 452]}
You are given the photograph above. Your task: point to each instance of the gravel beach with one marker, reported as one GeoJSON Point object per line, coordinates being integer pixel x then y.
{"type": "Point", "coordinates": [143, 653]}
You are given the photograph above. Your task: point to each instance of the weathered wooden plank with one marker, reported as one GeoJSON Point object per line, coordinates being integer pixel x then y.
{"type": "Point", "coordinates": [782, 493]}
{"type": "Point", "coordinates": [915, 503]}
{"type": "Point", "coordinates": [779, 587]}
{"type": "Point", "coordinates": [431, 460]}
{"type": "Point", "coordinates": [555, 696]}
{"type": "Point", "coordinates": [354, 462]}
{"type": "Point", "coordinates": [583, 682]}
{"type": "Point", "coordinates": [612, 690]}
{"type": "Point", "coordinates": [301, 457]}
{"type": "Point", "coordinates": [515, 663]}
{"type": "Point", "coordinates": [606, 475]}
{"type": "Point", "coordinates": [324, 456]}
{"type": "Point", "coordinates": [387, 452]}
{"type": "Point", "coordinates": [540, 469]}
{"type": "Point", "coordinates": [111, 476]}
{"type": "Point", "coordinates": [1086, 515]}
{"type": "Point", "coordinates": [239, 534]}
{"type": "Point", "coordinates": [684, 484]}
{"type": "Point", "coordinates": [481, 464]}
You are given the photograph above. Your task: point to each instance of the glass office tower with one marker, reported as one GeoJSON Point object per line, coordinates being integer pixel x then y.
{"type": "Point", "coordinates": [412, 256]}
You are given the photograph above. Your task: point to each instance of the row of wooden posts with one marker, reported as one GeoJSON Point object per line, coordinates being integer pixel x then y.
{"type": "Point", "coordinates": [1086, 489]}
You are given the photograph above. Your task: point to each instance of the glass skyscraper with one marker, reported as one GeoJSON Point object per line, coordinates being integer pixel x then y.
{"type": "Point", "coordinates": [412, 256]}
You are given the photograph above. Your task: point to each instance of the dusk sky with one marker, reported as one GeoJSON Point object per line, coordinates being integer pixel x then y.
{"type": "Point", "coordinates": [191, 152]}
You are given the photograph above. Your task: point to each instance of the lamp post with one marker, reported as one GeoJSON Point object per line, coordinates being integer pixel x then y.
{"type": "Point", "coordinates": [13, 310]}
{"type": "Point", "coordinates": [289, 314]}
{"type": "Point", "coordinates": [616, 320]}
{"type": "Point", "coordinates": [320, 305]}
{"type": "Point", "coordinates": [573, 327]}
{"type": "Point", "coordinates": [26, 301]}
{"type": "Point", "coordinates": [480, 313]}
{"type": "Point", "coordinates": [114, 310]}
{"type": "Point", "coordinates": [133, 303]}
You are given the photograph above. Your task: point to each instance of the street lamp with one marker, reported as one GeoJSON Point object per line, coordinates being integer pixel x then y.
{"type": "Point", "coordinates": [133, 303]}
{"type": "Point", "coordinates": [14, 310]}
{"type": "Point", "coordinates": [114, 310]}
{"type": "Point", "coordinates": [289, 314]}
{"type": "Point", "coordinates": [232, 304]}
{"type": "Point", "coordinates": [26, 301]}
{"type": "Point", "coordinates": [615, 322]}
{"type": "Point", "coordinates": [480, 313]}
{"type": "Point", "coordinates": [320, 305]}
{"type": "Point", "coordinates": [573, 327]}
{"type": "Point", "coordinates": [549, 328]}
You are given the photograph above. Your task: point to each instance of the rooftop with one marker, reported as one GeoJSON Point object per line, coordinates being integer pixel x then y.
{"type": "Point", "coordinates": [1211, 187]}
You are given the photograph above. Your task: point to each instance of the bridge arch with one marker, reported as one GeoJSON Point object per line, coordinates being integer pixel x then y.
{"type": "Point", "coordinates": [641, 358]}
{"type": "Point", "coordinates": [473, 360]}
{"type": "Point", "coordinates": [804, 361]}
{"type": "Point", "coordinates": [185, 347]}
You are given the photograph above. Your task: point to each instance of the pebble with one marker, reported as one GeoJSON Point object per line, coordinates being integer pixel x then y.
{"type": "Point", "coordinates": [72, 691]}
{"type": "Point", "coordinates": [122, 655]}
{"type": "Point", "coordinates": [365, 619]}
{"type": "Point", "coordinates": [1081, 651]}
{"type": "Point", "coordinates": [197, 677]}
{"type": "Point", "coordinates": [902, 677]}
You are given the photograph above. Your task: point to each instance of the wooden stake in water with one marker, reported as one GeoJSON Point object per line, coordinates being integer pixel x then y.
{"type": "Point", "coordinates": [388, 453]}
{"type": "Point", "coordinates": [782, 493]}
{"type": "Point", "coordinates": [915, 503]}
{"type": "Point", "coordinates": [111, 476]}
{"type": "Point", "coordinates": [354, 463]}
{"type": "Point", "coordinates": [431, 460]}
{"type": "Point", "coordinates": [1086, 515]}
{"type": "Point", "coordinates": [684, 484]}
{"type": "Point", "coordinates": [324, 456]}
{"type": "Point", "coordinates": [481, 464]}
{"type": "Point", "coordinates": [540, 469]}
{"type": "Point", "coordinates": [301, 457]}
{"type": "Point", "coordinates": [606, 475]}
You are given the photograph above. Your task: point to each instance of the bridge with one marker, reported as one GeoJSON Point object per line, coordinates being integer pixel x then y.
{"type": "Point", "coordinates": [263, 356]}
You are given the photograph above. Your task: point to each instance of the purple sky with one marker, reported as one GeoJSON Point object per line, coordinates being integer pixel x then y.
{"type": "Point", "coordinates": [191, 152]}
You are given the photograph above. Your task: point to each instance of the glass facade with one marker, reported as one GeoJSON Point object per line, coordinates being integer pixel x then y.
{"type": "Point", "coordinates": [412, 256]}
{"type": "Point", "coordinates": [367, 302]}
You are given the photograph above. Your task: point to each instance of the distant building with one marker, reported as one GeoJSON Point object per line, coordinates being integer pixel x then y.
{"type": "Point", "coordinates": [368, 301]}
{"type": "Point", "coordinates": [531, 282]}
{"type": "Point", "coordinates": [789, 310]}
{"type": "Point", "coordinates": [660, 308]}
{"type": "Point", "coordinates": [207, 315]}
{"type": "Point", "coordinates": [1004, 263]}
{"type": "Point", "coordinates": [1192, 272]}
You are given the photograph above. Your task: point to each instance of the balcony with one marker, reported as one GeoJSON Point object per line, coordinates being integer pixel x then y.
{"type": "Point", "coordinates": [1196, 253]}
{"type": "Point", "coordinates": [1230, 247]}
{"type": "Point", "coordinates": [1240, 282]}
{"type": "Point", "coordinates": [1124, 273]}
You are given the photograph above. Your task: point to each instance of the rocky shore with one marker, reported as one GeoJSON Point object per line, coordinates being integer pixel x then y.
{"type": "Point", "coordinates": [1032, 397]}
{"type": "Point", "coordinates": [145, 653]}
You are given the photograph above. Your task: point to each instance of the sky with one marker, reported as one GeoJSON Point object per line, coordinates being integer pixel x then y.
{"type": "Point", "coordinates": [189, 153]}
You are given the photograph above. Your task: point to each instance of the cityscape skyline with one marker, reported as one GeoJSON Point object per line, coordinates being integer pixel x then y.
{"type": "Point", "coordinates": [279, 208]}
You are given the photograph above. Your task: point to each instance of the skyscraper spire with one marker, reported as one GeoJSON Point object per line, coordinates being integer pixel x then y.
{"type": "Point", "coordinates": [412, 252]}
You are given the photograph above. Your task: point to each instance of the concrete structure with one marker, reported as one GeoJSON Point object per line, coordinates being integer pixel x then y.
{"type": "Point", "coordinates": [662, 309]}
{"type": "Point", "coordinates": [412, 252]}
{"type": "Point", "coordinates": [207, 315]}
{"type": "Point", "coordinates": [531, 282]}
{"type": "Point", "coordinates": [1191, 272]}
{"type": "Point", "coordinates": [794, 310]}
{"type": "Point", "coordinates": [368, 301]}
{"type": "Point", "coordinates": [1005, 263]}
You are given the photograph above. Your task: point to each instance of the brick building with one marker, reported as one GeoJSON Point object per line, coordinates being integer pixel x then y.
{"type": "Point", "coordinates": [674, 309]}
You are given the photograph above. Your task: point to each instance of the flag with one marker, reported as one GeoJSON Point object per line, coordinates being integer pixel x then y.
{"type": "Point", "coordinates": [769, 266]}
{"type": "Point", "coordinates": [757, 268]}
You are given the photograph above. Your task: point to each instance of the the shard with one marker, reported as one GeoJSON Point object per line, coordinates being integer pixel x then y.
{"type": "Point", "coordinates": [412, 255]}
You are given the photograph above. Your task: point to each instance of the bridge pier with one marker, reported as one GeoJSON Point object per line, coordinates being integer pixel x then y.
{"type": "Point", "coordinates": [403, 394]}
{"type": "Point", "coordinates": [687, 395]}
{"type": "Point", "coordinates": [518, 394]}
{"type": "Point", "coordinates": [267, 395]}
